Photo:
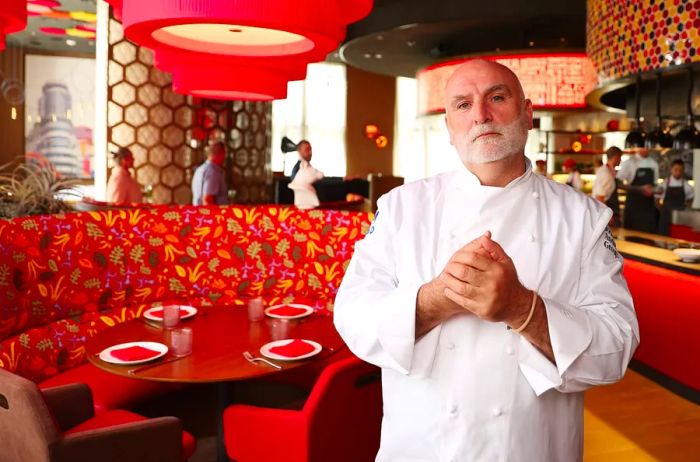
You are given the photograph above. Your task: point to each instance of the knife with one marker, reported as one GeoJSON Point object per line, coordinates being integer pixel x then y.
{"type": "Point", "coordinates": [160, 363]}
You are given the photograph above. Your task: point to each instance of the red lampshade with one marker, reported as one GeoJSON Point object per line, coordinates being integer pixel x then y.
{"type": "Point", "coordinates": [238, 27]}
{"type": "Point", "coordinates": [225, 77]}
{"type": "Point", "coordinates": [13, 18]}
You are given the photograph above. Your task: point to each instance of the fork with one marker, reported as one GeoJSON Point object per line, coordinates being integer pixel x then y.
{"type": "Point", "coordinates": [252, 359]}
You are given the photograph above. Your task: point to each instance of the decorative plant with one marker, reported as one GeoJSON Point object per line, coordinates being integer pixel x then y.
{"type": "Point", "coordinates": [31, 189]}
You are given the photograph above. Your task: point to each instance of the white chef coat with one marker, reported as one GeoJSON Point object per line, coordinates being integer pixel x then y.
{"type": "Point", "coordinates": [304, 192]}
{"type": "Point", "coordinates": [628, 169]}
{"type": "Point", "coordinates": [604, 183]}
{"type": "Point", "coordinates": [471, 390]}
{"type": "Point", "coordinates": [575, 181]}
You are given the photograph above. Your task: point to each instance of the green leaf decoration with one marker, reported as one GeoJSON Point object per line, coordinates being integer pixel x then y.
{"type": "Point", "coordinates": [267, 224]}
{"type": "Point", "coordinates": [172, 216]}
{"type": "Point", "coordinates": [238, 251]}
{"type": "Point", "coordinates": [269, 283]}
{"type": "Point", "coordinates": [267, 248]}
{"type": "Point", "coordinates": [326, 229]}
{"type": "Point", "coordinates": [253, 249]}
{"type": "Point", "coordinates": [329, 251]}
{"type": "Point", "coordinates": [116, 255]}
{"type": "Point", "coordinates": [45, 241]}
{"type": "Point", "coordinates": [100, 259]}
{"type": "Point", "coordinates": [52, 265]}
{"type": "Point", "coordinates": [233, 226]}
{"type": "Point", "coordinates": [300, 237]}
{"type": "Point", "coordinates": [93, 230]}
{"type": "Point", "coordinates": [4, 275]}
{"type": "Point", "coordinates": [136, 253]}
{"type": "Point", "coordinates": [153, 258]}
{"type": "Point", "coordinates": [155, 241]}
{"type": "Point", "coordinates": [175, 285]}
{"type": "Point", "coordinates": [24, 340]}
{"type": "Point", "coordinates": [92, 283]}
{"type": "Point", "coordinates": [187, 229]}
{"type": "Point", "coordinates": [282, 247]}
{"type": "Point", "coordinates": [75, 275]}
{"type": "Point", "coordinates": [243, 286]}
{"type": "Point", "coordinates": [44, 344]}
{"type": "Point", "coordinates": [296, 253]}
{"type": "Point", "coordinates": [190, 251]}
{"type": "Point", "coordinates": [213, 264]}
{"type": "Point", "coordinates": [314, 282]}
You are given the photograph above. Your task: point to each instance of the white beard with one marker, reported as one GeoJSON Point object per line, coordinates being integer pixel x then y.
{"type": "Point", "coordinates": [511, 141]}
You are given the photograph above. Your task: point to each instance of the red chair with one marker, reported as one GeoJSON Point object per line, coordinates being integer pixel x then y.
{"type": "Point", "coordinates": [340, 421]}
{"type": "Point", "coordinates": [58, 424]}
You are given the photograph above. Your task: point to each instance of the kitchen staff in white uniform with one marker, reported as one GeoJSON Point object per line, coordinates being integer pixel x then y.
{"type": "Point", "coordinates": [451, 261]}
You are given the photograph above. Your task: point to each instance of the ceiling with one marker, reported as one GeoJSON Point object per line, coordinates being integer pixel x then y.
{"type": "Point", "coordinates": [401, 37]}
{"type": "Point", "coordinates": [33, 39]}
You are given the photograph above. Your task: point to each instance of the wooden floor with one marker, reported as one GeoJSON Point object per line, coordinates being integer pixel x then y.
{"type": "Point", "coordinates": [640, 421]}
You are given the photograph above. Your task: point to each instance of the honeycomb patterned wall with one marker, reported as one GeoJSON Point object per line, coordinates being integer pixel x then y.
{"type": "Point", "coordinates": [626, 37]}
{"type": "Point", "coordinates": [168, 132]}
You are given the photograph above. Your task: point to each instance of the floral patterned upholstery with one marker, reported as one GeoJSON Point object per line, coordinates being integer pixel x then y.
{"type": "Point", "coordinates": [63, 278]}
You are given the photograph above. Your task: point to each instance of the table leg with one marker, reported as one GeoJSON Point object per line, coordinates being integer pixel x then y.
{"type": "Point", "coordinates": [222, 402]}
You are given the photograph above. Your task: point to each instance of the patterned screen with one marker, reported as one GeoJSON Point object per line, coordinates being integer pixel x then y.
{"type": "Point", "coordinates": [626, 37]}
{"type": "Point", "coordinates": [168, 132]}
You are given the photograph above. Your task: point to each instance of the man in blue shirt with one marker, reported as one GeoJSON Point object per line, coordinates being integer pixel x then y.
{"type": "Point", "coordinates": [209, 182]}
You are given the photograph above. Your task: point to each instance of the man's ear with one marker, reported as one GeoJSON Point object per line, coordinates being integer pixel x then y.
{"type": "Point", "coordinates": [529, 112]}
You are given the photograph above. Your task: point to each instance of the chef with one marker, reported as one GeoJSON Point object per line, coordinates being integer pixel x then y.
{"type": "Point", "coordinates": [605, 183]}
{"type": "Point", "coordinates": [675, 193]}
{"type": "Point", "coordinates": [639, 174]}
{"type": "Point", "coordinates": [490, 296]}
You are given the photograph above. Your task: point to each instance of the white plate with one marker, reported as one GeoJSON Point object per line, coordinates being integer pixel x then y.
{"type": "Point", "coordinates": [148, 314]}
{"type": "Point", "coordinates": [307, 311]}
{"type": "Point", "coordinates": [688, 255]}
{"type": "Point", "coordinates": [106, 354]}
{"type": "Point", "coordinates": [265, 350]}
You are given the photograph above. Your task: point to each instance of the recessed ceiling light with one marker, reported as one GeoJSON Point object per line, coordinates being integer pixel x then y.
{"type": "Point", "coordinates": [380, 37]}
{"type": "Point", "coordinates": [71, 42]}
{"type": "Point", "coordinates": [367, 55]}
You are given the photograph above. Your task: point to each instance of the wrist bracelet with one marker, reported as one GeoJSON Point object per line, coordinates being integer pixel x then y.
{"type": "Point", "coordinates": [529, 316]}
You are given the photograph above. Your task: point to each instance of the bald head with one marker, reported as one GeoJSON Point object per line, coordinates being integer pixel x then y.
{"type": "Point", "coordinates": [486, 111]}
{"type": "Point", "coordinates": [482, 70]}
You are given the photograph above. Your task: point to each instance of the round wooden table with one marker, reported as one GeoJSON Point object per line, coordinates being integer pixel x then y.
{"type": "Point", "coordinates": [220, 336]}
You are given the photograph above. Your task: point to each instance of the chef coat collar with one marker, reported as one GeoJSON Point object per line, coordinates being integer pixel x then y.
{"type": "Point", "coordinates": [465, 179]}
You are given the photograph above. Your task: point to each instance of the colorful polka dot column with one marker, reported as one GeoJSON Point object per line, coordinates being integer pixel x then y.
{"type": "Point", "coordinates": [629, 36]}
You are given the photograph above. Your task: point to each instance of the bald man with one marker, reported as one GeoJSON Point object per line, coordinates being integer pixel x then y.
{"type": "Point", "coordinates": [491, 297]}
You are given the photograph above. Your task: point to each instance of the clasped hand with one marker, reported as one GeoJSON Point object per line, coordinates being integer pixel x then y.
{"type": "Point", "coordinates": [481, 278]}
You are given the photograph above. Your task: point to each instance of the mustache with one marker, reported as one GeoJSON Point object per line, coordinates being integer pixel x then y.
{"type": "Point", "coordinates": [482, 129]}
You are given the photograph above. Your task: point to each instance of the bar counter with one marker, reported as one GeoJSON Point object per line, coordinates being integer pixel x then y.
{"type": "Point", "coordinates": [666, 295]}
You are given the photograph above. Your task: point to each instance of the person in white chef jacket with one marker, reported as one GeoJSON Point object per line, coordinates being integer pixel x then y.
{"type": "Point", "coordinates": [491, 297]}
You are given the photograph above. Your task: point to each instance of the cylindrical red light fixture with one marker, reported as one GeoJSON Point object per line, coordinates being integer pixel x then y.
{"type": "Point", "coordinates": [225, 77]}
{"type": "Point", "coordinates": [13, 18]}
{"type": "Point", "coordinates": [236, 27]}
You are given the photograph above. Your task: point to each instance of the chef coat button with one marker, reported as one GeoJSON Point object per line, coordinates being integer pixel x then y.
{"type": "Point", "coordinates": [532, 238]}
{"type": "Point", "coordinates": [497, 411]}
{"type": "Point", "coordinates": [454, 409]}
{"type": "Point", "coordinates": [450, 346]}
{"type": "Point", "coordinates": [535, 194]}
{"type": "Point", "coordinates": [509, 350]}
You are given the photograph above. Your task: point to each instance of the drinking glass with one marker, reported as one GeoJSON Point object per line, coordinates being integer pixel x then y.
{"type": "Point", "coordinates": [181, 341]}
{"type": "Point", "coordinates": [256, 309]}
{"type": "Point", "coordinates": [171, 316]}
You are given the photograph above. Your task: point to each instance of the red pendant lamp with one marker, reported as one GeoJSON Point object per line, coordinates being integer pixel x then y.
{"type": "Point", "coordinates": [240, 27]}
{"type": "Point", "coordinates": [228, 77]}
{"type": "Point", "coordinates": [13, 18]}
{"type": "Point", "coordinates": [238, 49]}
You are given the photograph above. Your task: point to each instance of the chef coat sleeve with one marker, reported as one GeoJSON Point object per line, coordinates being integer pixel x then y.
{"type": "Point", "coordinates": [627, 171]}
{"type": "Point", "coordinates": [595, 332]}
{"type": "Point", "coordinates": [374, 312]}
{"type": "Point", "coordinates": [689, 191]}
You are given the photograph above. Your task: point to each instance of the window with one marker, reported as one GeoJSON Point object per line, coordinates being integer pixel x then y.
{"type": "Point", "coordinates": [314, 110]}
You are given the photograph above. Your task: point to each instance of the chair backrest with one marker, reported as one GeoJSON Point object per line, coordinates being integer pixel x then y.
{"type": "Point", "coordinates": [26, 424]}
{"type": "Point", "coordinates": [380, 185]}
{"type": "Point", "coordinates": [345, 413]}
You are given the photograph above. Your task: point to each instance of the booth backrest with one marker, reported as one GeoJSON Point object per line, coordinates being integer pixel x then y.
{"type": "Point", "coordinates": [65, 277]}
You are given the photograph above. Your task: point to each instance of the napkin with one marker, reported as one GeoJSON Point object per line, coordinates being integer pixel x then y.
{"type": "Point", "coordinates": [134, 353]}
{"type": "Point", "coordinates": [293, 349]}
{"type": "Point", "coordinates": [158, 313]}
{"type": "Point", "coordinates": [287, 310]}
